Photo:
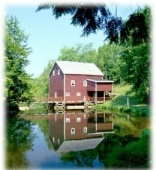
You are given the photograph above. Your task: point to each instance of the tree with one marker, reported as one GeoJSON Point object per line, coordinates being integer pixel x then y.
{"type": "Point", "coordinates": [135, 57]}
{"type": "Point", "coordinates": [40, 85]}
{"type": "Point", "coordinates": [80, 53]}
{"type": "Point", "coordinates": [92, 18]}
{"type": "Point", "coordinates": [108, 61]}
{"type": "Point", "coordinates": [136, 30]}
{"type": "Point", "coordinates": [130, 33]}
{"type": "Point", "coordinates": [16, 53]}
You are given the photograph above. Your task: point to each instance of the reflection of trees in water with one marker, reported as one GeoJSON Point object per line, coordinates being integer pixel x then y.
{"type": "Point", "coordinates": [125, 152]}
{"type": "Point", "coordinates": [115, 152]}
{"type": "Point", "coordinates": [19, 140]}
{"type": "Point", "coordinates": [44, 127]}
{"type": "Point", "coordinates": [81, 158]}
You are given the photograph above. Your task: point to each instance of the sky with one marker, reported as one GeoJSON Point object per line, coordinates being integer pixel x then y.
{"type": "Point", "coordinates": [47, 36]}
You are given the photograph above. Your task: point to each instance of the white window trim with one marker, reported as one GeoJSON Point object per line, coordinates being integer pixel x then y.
{"type": "Point", "coordinates": [85, 83]}
{"type": "Point", "coordinates": [72, 82]}
{"type": "Point", "coordinates": [58, 72]}
{"type": "Point", "coordinates": [78, 119]}
{"type": "Point", "coordinates": [67, 120]}
{"type": "Point", "coordinates": [67, 93]}
{"type": "Point", "coordinates": [85, 130]}
{"type": "Point", "coordinates": [72, 131]}
{"type": "Point", "coordinates": [53, 72]}
{"type": "Point", "coordinates": [55, 94]}
{"type": "Point", "coordinates": [78, 94]}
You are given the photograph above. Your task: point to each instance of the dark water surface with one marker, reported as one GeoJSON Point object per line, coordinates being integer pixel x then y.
{"type": "Point", "coordinates": [76, 139]}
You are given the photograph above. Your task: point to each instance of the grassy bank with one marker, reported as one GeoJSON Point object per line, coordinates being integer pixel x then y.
{"type": "Point", "coordinates": [120, 103]}
{"type": "Point", "coordinates": [34, 108]}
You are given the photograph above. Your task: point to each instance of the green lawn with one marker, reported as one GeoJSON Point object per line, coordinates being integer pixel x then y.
{"type": "Point", "coordinates": [119, 102]}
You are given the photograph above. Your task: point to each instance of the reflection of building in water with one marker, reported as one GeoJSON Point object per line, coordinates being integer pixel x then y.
{"type": "Point", "coordinates": [73, 131]}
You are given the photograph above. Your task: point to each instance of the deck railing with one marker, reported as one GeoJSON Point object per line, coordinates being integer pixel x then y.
{"type": "Point", "coordinates": [72, 99]}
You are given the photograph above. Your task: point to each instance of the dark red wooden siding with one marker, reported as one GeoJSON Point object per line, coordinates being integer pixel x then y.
{"type": "Point", "coordinates": [104, 87]}
{"type": "Point", "coordinates": [91, 86]}
{"type": "Point", "coordinates": [79, 87]}
{"type": "Point", "coordinates": [79, 134]}
{"type": "Point", "coordinates": [56, 83]}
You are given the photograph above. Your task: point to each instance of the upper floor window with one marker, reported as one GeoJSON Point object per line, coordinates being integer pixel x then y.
{"type": "Point", "coordinates": [72, 82]}
{"type": "Point", "coordinates": [78, 119]}
{"type": "Point", "coordinates": [67, 120]}
{"type": "Point", "coordinates": [58, 71]}
{"type": "Point", "coordinates": [84, 83]}
{"type": "Point", "coordinates": [53, 72]}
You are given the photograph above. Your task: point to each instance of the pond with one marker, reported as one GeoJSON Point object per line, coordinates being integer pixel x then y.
{"type": "Point", "coordinates": [77, 139]}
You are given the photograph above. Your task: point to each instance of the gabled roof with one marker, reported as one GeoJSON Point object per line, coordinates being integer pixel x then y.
{"type": "Point", "coordinates": [70, 67]}
{"type": "Point", "coordinates": [80, 145]}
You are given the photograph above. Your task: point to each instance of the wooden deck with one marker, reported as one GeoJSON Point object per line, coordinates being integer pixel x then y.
{"type": "Point", "coordinates": [71, 100]}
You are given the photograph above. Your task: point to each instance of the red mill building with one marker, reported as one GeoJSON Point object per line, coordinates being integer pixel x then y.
{"type": "Point", "coordinates": [78, 82]}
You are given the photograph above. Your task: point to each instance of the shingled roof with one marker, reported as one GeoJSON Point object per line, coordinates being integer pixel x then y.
{"type": "Point", "coordinates": [70, 67]}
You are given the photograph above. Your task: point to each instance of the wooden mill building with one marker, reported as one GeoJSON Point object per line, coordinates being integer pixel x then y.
{"type": "Point", "coordinates": [78, 82]}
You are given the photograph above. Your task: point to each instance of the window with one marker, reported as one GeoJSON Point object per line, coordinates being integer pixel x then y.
{"type": "Point", "coordinates": [72, 131]}
{"type": "Point", "coordinates": [58, 71]}
{"type": "Point", "coordinates": [85, 130]}
{"type": "Point", "coordinates": [78, 94]}
{"type": "Point", "coordinates": [67, 120]}
{"type": "Point", "coordinates": [78, 119]}
{"type": "Point", "coordinates": [72, 82]}
{"type": "Point", "coordinates": [84, 83]}
{"type": "Point", "coordinates": [67, 94]}
{"type": "Point", "coordinates": [53, 72]}
{"type": "Point", "coordinates": [55, 94]}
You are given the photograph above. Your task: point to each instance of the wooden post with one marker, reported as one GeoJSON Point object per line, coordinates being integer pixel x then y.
{"type": "Point", "coordinates": [95, 97]}
{"type": "Point", "coordinates": [104, 96]}
{"type": "Point", "coordinates": [96, 121]}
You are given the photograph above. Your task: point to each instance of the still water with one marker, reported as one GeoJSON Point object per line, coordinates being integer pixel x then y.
{"type": "Point", "coordinates": [77, 139]}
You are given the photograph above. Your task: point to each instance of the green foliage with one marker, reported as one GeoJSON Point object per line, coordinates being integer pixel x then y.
{"type": "Point", "coordinates": [44, 127]}
{"type": "Point", "coordinates": [136, 30]}
{"type": "Point", "coordinates": [119, 102]}
{"type": "Point", "coordinates": [127, 152]}
{"type": "Point", "coordinates": [16, 53]}
{"type": "Point", "coordinates": [108, 61]}
{"type": "Point", "coordinates": [135, 58]}
{"type": "Point", "coordinates": [35, 108]}
{"type": "Point", "coordinates": [136, 69]}
{"type": "Point", "coordinates": [19, 140]}
{"type": "Point", "coordinates": [80, 53]}
{"type": "Point", "coordinates": [128, 63]}
{"type": "Point", "coordinates": [90, 18]}
{"type": "Point", "coordinates": [81, 158]}
{"type": "Point", "coordinates": [40, 85]}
